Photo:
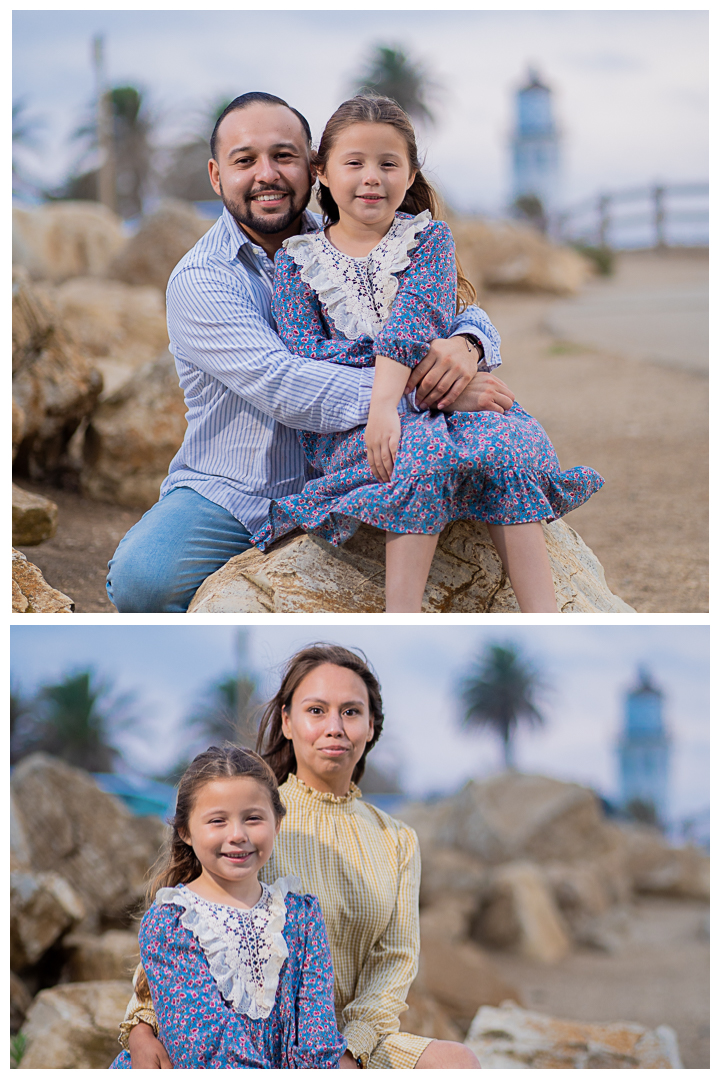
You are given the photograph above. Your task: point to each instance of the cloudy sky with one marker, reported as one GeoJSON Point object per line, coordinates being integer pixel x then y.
{"type": "Point", "coordinates": [588, 669]}
{"type": "Point", "coordinates": [630, 86]}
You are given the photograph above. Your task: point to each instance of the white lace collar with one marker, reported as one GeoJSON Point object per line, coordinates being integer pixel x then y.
{"type": "Point", "coordinates": [245, 948]}
{"type": "Point", "coordinates": [357, 293]}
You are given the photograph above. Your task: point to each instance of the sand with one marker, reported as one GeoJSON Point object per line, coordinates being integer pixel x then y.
{"type": "Point", "coordinates": [641, 424]}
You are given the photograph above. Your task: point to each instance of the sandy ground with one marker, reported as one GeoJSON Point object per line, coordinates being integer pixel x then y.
{"type": "Point", "coordinates": [661, 977]}
{"type": "Point", "coordinates": [641, 424]}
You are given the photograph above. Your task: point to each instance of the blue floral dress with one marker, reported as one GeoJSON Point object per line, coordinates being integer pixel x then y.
{"type": "Point", "coordinates": [237, 989]}
{"type": "Point", "coordinates": [486, 466]}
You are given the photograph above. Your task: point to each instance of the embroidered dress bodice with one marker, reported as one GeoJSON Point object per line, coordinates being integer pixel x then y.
{"type": "Point", "coordinates": [245, 948]}
{"type": "Point", "coordinates": [357, 293]}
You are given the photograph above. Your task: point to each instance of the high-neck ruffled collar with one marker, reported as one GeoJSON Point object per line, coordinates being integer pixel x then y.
{"type": "Point", "coordinates": [301, 789]}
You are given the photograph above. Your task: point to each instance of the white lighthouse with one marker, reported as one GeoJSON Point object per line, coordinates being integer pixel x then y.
{"type": "Point", "coordinates": [535, 149]}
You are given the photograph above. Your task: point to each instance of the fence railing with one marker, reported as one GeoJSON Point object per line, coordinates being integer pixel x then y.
{"type": "Point", "coordinates": [659, 215]}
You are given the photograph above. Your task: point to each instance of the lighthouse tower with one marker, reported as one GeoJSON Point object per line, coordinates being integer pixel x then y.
{"type": "Point", "coordinates": [535, 146]}
{"type": "Point", "coordinates": [644, 749]}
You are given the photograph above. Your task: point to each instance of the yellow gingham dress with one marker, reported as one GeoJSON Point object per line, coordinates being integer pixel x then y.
{"type": "Point", "coordinates": [364, 868]}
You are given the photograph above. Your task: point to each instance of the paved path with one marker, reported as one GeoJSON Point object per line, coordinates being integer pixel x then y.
{"type": "Point", "coordinates": [654, 308]}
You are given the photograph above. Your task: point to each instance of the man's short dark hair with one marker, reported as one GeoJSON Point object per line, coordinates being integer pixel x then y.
{"type": "Point", "coordinates": [253, 98]}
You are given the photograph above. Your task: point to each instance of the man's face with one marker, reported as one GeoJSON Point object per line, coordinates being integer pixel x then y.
{"type": "Point", "coordinates": [262, 172]}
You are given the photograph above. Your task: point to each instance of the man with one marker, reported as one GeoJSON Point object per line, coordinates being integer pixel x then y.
{"type": "Point", "coordinates": [246, 395]}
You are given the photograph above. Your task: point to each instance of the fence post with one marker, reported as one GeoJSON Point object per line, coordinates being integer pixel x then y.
{"type": "Point", "coordinates": [604, 222]}
{"type": "Point", "coordinates": [659, 200]}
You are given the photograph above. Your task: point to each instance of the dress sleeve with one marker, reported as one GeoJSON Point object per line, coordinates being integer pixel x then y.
{"type": "Point", "coordinates": [424, 306]}
{"type": "Point", "coordinates": [140, 1010]}
{"type": "Point", "coordinates": [319, 1043]}
{"type": "Point", "coordinates": [298, 316]}
{"type": "Point", "coordinates": [196, 1026]}
{"type": "Point", "coordinates": [392, 964]}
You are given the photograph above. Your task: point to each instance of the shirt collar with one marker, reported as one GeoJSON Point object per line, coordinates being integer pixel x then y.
{"type": "Point", "coordinates": [238, 238]}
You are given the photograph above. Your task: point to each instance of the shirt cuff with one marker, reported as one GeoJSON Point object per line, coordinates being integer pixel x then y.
{"type": "Point", "coordinates": [361, 1040]}
{"type": "Point", "coordinates": [141, 1016]}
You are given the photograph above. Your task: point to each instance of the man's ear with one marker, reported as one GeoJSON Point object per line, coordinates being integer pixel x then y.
{"type": "Point", "coordinates": [214, 173]}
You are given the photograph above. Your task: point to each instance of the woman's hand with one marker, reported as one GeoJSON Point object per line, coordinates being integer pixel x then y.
{"type": "Point", "coordinates": [147, 1052]}
{"type": "Point", "coordinates": [347, 1061]}
{"type": "Point", "coordinates": [382, 438]}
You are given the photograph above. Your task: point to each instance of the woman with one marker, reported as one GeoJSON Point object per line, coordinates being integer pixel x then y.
{"type": "Point", "coordinates": [363, 866]}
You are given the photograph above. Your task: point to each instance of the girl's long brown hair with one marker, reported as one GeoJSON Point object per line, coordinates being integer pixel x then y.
{"type": "Point", "coordinates": [275, 748]}
{"type": "Point", "coordinates": [178, 864]}
{"type": "Point", "coordinates": [372, 109]}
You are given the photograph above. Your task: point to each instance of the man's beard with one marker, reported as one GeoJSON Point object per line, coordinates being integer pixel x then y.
{"type": "Point", "coordinates": [243, 214]}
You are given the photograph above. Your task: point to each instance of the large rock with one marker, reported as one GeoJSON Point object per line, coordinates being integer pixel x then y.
{"type": "Point", "coordinates": [18, 427]}
{"type": "Point", "coordinates": [112, 955]}
{"type": "Point", "coordinates": [657, 868]}
{"type": "Point", "coordinates": [507, 255]}
{"type": "Point", "coordinates": [34, 518]}
{"type": "Point", "coordinates": [20, 1002]}
{"type": "Point", "coordinates": [66, 239]}
{"type": "Point", "coordinates": [98, 846]}
{"type": "Point", "coordinates": [149, 257]}
{"type": "Point", "coordinates": [518, 816]}
{"type": "Point", "coordinates": [54, 383]}
{"type": "Point", "coordinates": [456, 972]}
{"type": "Point", "coordinates": [304, 573]}
{"type": "Point", "coordinates": [514, 1038]}
{"type": "Point", "coordinates": [42, 907]}
{"type": "Point", "coordinates": [120, 327]}
{"type": "Point", "coordinates": [519, 911]}
{"type": "Point", "coordinates": [75, 1026]}
{"type": "Point", "coordinates": [469, 875]}
{"type": "Point", "coordinates": [425, 1016]}
{"type": "Point", "coordinates": [31, 592]}
{"type": "Point", "coordinates": [133, 436]}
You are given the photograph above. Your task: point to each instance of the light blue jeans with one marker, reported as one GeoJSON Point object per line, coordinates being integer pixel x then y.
{"type": "Point", "coordinates": [163, 560]}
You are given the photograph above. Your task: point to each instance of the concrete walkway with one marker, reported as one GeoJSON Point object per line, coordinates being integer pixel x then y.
{"type": "Point", "coordinates": [654, 308]}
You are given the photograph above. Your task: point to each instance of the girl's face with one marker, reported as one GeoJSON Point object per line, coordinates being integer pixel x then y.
{"type": "Point", "coordinates": [330, 724]}
{"type": "Point", "coordinates": [232, 829]}
{"type": "Point", "coordinates": [368, 173]}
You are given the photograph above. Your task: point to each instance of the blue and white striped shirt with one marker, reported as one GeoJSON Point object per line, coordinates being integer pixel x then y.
{"type": "Point", "coordinates": [246, 394]}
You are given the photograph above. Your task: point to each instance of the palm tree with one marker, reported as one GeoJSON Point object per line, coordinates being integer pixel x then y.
{"type": "Point", "coordinates": [390, 72]}
{"type": "Point", "coordinates": [71, 719]}
{"type": "Point", "coordinates": [186, 174]}
{"type": "Point", "coordinates": [501, 690]}
{"type": "Point", "coordinates": [25, 129]}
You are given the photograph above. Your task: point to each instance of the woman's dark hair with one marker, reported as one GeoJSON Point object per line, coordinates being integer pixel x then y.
{"type": "Point", "coordinates": [373, 109]}
{"type": "Point", "coordinates": [275, 748]}
{"type": "Point", "coordinates": [253, 98]}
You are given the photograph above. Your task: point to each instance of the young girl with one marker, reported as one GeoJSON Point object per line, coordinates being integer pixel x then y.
{"type": "Point", "coordinates": [239, 972]}
{"type": "Point", "coordinates": [375, 288]}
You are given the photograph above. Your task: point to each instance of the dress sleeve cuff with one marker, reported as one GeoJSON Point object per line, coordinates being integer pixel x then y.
{"type": "Point", "coordinates": [139, 1016]}
{"type": "Point", "coordinates": [361, 1040]}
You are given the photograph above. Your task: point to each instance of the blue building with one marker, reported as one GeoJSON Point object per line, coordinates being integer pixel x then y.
{"type": "Point", "coordinates": [536, 145]}
{"type": "Point", "coordinates": [644, 749]}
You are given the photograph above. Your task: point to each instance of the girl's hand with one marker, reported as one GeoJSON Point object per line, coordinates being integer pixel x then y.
{"type": "Point", "coordinates": [147, 1052]}
{"type": "Point", "coordinates": [347, 1061]}
{"type": "Point", "coordinates": [382, 438]}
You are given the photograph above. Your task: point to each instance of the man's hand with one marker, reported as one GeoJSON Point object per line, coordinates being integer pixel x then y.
{"type": "Point", "coordinates": [443, 373]}
{"type": "Point", "coordinates": [147, 1052]}
{"type": "Point", "coordinates": [347, 1061]}
{"type": "Point", "coordinates": [382, 438]}
{"type": "Point", "coordinates": [484, 392]}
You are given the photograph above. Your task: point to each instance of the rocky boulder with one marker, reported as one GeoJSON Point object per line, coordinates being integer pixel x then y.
{"type": "Point", "coordinates": [507, 255]}
{"type": "Point", "coordinates": [120, 327]}
{"type": "Point", "coordinates": [657, 868]}
{"type": "Point", "coordinates": [34, 518]}
{"type": "Point", "coordinates": [425, 1016]}
{"type": "Point", "coordinates": [112, 955]}
{"type": "Point", "coordinates": [133, 436]}
{"type": "Point", "coordinates": [31, 593]}
{"type": "Point", "coordinates": [54, 384]}
{"type": "Point", "coordinates": [514, 1038]}
{"type": "Point", "coordinates": [42, 907]}
{"type": "Point", "coordinates": [150, 256]}
{"type": "Point", "coordinates": [62, 240]}
{"type": "Point", "coordinates": [20, 1002]}
{"type": "Point", "coordinates": [519, 912]}
{"type": "Point", "coordinates": [88, 829]}
{"type": "Point", "coordinates": [518, 816]}
{"type": "Point", "coordinates": [75, 1026]}
{"type": "Point", "coordinates": [303, 573]}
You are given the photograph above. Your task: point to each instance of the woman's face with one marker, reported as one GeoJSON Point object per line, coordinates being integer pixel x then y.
{"type": "Point", "coordinates": [329, 724]}
{"type": "Point", "coordinates": [368, 173]}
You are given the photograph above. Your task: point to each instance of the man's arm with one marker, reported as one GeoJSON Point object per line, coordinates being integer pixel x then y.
{"type": "Point", "coordinates": [450, 365]}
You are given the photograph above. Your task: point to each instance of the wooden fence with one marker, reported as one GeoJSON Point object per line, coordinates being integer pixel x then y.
{"type": "Point", "coordinates": [655, 217]}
